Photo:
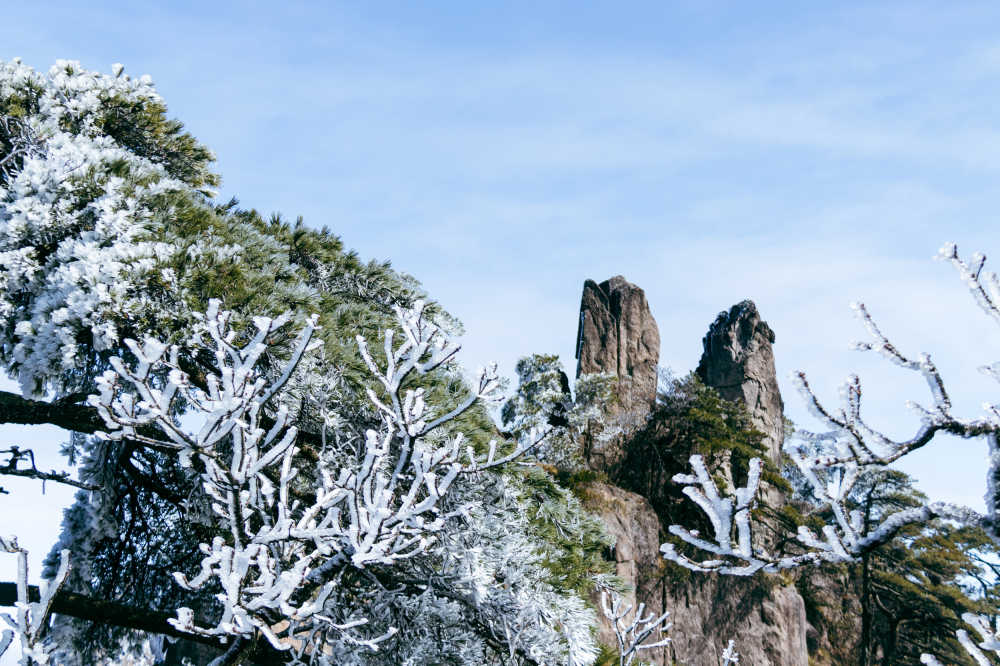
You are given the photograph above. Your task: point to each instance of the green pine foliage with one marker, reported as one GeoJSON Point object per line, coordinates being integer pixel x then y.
{"type": "Point", "coordinates": [906, 597]}
{"type": "Point", "coordinates": [920, 583]}
{"type": "Point", "coordinates": [575, 541]}
{"type": "Point", "coordinates": [691, 418]}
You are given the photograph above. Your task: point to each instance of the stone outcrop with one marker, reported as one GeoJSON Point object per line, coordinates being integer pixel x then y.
{"type": "Point", "coordinates": [833, 610]}
{"type": "Point", "coordinates": [765, 618]}
{"type": "Point", "coordinates": [632, 522]}
{"type": "Point", "coordinates": [738, 361]}
{"type": "Point", "coordinates": [765, 614]}
{"type": "Point", "coordinates": [618, 335]}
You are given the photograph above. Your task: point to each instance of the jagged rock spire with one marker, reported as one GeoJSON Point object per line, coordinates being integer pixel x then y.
{"type": "Point", "coordinates": [738, 361]}
{"type": "Point", "coordinates": [767, 617]}
{"type": "Point", "coordinates": [617, 334]}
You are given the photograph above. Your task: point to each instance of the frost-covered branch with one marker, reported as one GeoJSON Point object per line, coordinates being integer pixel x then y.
{"type": "Point", "coordinates": [632, 629]}
{"type": "Point", "coordinates": [31, 623]}
{"type": "Point", "coordinates": [107, 225]}
{"type": "Point", "coordinates": [276, 555]}
{"type": "Point", "coordinates": [833, 484]}
{"type": "Point", "coordinates": [867, 445]}
{"type": "Point", "coordinates": [729, 655]}
{"type": "Point", "coordinates": [22, 141]}
{"type": "Point", "coordinates": [851, 442]}
{"type": "Point", "coordinates": [833, 461]}
{"type": "Point", "coordinates": [424, 348]}
{"type": "Point", "coordinates": [240, 461]}
{"type": "Point", "coordinates": [727, 515]}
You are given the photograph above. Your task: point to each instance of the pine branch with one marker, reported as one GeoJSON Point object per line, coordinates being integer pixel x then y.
{"type": "Point", "coordinates": [117, 614]}
{"type": "Point", "coordinates": [13, 468]}
{"type": "Point", "coordinates": [23, 411]}
{"type": "Point", "coordinates": [85, 419]}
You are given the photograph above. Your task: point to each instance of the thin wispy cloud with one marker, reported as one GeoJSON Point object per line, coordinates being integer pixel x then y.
{"type": "Point", "coordinates": [801, 156]}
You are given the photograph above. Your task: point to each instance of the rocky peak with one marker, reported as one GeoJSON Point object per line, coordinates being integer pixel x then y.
{"type": "Point", "coordinates": [738, 361]}
{"type": "Point", "coordinates": [617, 334]}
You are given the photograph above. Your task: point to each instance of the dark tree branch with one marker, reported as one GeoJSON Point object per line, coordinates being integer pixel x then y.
{"type": "Point", "coordinates": [19, 455]}
{"type": "Point", "coordinates": [79, 418]}
{"type": "Point", "coordinates": [130, 617]}
{"type": "Point", "coordinates": [152, 484]}
{"type": "Point", "coordinates": [85, 419]}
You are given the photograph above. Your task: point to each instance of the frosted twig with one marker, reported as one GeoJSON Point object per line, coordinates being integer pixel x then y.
{"type": "Point", "coordinates": [833, 461]}
{"type": "Point", "coordinates": [632, 629]}
{"type": "Point", "coordinates": [851, 445]}
{"type": "Point", "coordinates": [730, 655]}
{"type": "Point", "coordinates": [277, 555]}
{"type": "Point", "coordinates": [726, 515]}
{"type": "Point", "coordinates": [15, 466]}
{"type": "Point", "coordinates": [31, 623]}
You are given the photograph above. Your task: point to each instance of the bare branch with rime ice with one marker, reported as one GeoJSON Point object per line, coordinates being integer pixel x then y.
{"type": "Point", "coordinates": [31, 622]}
{"type": "Point", "coordinates": [632, 628]}
{"type": "Point", "coordinates": [14, 466]}
{"type": "Point", "coordinates": [832, 462]}
{"type": "Point", "coordinates": [270, 543]}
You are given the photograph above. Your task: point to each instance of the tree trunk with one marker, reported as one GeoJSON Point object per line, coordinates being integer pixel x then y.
{"type": "Point", "coordinates": [130, 617]}
{"type": "Point", "coordinates": [889, 643]}
{"type": "Point", "coordinates": [864, 649]}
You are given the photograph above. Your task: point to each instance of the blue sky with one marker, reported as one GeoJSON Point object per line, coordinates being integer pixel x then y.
{"type": "Point", "coordinates": [798, 155]}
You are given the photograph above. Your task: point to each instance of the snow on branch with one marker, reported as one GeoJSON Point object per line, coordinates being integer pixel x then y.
{"type": "Point", "coordinates": [832, 462]}
{"type": "Point", "coordinates": [282, 539]}
{"type": "Point", "coordinates": [23, 141]}
{"type": "Point", "coordinates": [851, 445]}
{"type": "Point", "coordinates": [730, 655]}
{"type": "Point", "coordinates": [985, 288]}
{"type": "Point", "coordinates": [632, 629]}
{"type": "Point", "coordinates": [845, 540]}
{"type": "Point", "coordinates": [424, 348]}
{"type": "Point", "coordinates": [989, 641]}
{"type": "Point", "coordinates": [726, 514]}
{"type": "Point", "coordinates": [851, 438]}
{"type": "Point", "coordinates": [31, 623]}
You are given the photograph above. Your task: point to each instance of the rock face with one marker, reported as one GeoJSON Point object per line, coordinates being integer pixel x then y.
{"type": "Point", "coordinates": [834, 614]}
{"type": "Point", "coordinates": [767, 621]}
{"type": "Point", "coordinates": [617, 334]}
{"type": "Point", "coordinates": [738, 361]}
{"type": "Point", "coordinates": [765, 615]}
{"type": "Point", "coordinates": [766, 618]}
{"type": "Point", "coordinates": [633, 523]}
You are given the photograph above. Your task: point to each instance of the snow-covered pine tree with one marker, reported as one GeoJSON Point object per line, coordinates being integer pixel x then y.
{"type": "Point", "coordinates": [578, 422]}
{"type": "Point", "coordinates": [391, 543]}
